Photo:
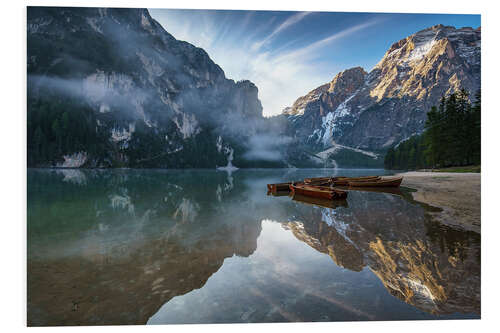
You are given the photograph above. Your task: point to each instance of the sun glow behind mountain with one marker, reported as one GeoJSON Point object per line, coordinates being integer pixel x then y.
{"type": "Point", "coordinates": [286, 54]}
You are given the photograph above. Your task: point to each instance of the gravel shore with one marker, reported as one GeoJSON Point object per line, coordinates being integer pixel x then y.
{"type": "Point", "coordinates": [457, 194]}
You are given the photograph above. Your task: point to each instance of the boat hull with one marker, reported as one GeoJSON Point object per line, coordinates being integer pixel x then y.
{"type": "Point", "coordinates": [344, 181]}
{"type": "Point", "coordinates": [387, 182]}
{"type": "Point", "coordinates": [278, 187]}
{"type": "Point", "coordinates": [317, 180]}
{"type": "Point", "coordinates": [337, 181]}
{"type": "Point", "coordinates": [318, 192]}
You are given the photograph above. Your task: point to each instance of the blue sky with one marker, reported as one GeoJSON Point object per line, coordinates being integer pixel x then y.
{"type": "Point", "coordinates": [287, 54]}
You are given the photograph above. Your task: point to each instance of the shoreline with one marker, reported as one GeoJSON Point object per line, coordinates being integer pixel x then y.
{"type": "Point", "coordinates": [457, 194]}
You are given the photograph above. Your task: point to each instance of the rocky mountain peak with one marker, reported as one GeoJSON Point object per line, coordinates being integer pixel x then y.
{"type": "Point", "coordinates": [298, 107]}
{"type": "Point", "coordinates": [347, 81]}
{"type": "Point", "coordinates": [415, 65]}
{"type": "Point", "coordinates": [332, 93]}
{"type": "Point", "coordinates": [375, 110]}
{"type": "Point", "coordinates": [422, 44]}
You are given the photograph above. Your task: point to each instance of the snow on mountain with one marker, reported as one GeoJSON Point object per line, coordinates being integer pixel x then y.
{"type": "Point", "coordinates": [372, 111]}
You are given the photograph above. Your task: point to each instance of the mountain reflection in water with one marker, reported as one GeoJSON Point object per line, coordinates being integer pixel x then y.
{"type": "Point", "coordinates": [154, 246]}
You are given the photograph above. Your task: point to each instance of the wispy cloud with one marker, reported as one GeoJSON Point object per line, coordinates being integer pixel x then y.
{"type": "Point", "coordinates": [294, 19]}
{"type": "Point", "coordinates": [282, 73]}
{"type": "Point", "coordinates": [313, 47]}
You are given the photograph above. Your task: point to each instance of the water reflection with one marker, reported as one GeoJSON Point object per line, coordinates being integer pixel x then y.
{"type": "Point", "coordinates": [128, 246]}
{"type": "Point", "coordinates": [428, 265]}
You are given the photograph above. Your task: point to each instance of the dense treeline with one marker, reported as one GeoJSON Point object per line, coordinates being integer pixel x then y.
{"type": "Point", "coordinates": [57, 127]}
{"type": "Point", "coordinates": [452, 137]}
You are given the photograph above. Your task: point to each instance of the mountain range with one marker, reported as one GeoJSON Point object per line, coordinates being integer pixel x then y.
{"type": "Point", "coordinates": [110, 87]}
{"type": "Point", "coordinates": [370, 112]}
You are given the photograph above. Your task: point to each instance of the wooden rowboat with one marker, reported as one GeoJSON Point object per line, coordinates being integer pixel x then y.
{"type": "Point", "coordinates": [278, 187]}
{"type": "Point", "coordinates": [383, 182]}
{"type": "Point", "coordinates": [326, 182]}
{"type": "Point", "coordinates": [317, 179]}
{"type": "Point", "coordinates": [318, 191]}
{"type": "Point", "coordinates": [344, 181]}
{"type": "Point", "coordinates": [279, 193]}
{"type": "Point", "coordinates": [355, 178]}
{"type": "Point", "coordinates": [337, 181]}
{"type": "Point", "coordinates": [320, 179]}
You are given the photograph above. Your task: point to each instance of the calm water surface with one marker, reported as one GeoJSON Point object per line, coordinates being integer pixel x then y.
{"type": "Point", "coordinates": [202, 246]}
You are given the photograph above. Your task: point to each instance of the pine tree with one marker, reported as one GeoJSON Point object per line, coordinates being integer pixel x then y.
{"type": "Point", "coordinates": [389, 159]}
{"type": "Point", "coordinates": [38, 142]}
{"type": "Point", "coordinates": [451, 137]}
{"type": "Point", "coordinates": [475, 150]}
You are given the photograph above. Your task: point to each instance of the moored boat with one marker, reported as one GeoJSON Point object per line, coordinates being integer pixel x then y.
{"type": "Point", "coordinates": [325, 182]}
{"type": "Point", "coordinates": [344, 181]}
{"type": "Point", "coordinates": [318, 191]}
{"type": "Point", "coordinates": [279, 193]}
{"type": "Point", "coordinates": [278, 187]}
{"type": "Point", "coordinates": [382, 182]}
{"type": "Point", "coordinates": [355, 178]}
{"type": "Point", "coordinates": [317, 180]}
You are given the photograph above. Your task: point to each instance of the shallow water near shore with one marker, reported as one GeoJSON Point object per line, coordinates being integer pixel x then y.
{"type": "Point", "coordinates": [109, 247]}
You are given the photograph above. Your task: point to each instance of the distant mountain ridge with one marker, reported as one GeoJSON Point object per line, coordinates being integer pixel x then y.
{"type": "Point", "coordinates": [376, 110]}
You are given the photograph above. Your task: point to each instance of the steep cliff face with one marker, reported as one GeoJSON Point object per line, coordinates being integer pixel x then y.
{"type": "Point", "coordinates": [313, 111]}
{"type": "Point", "coordinates": [376, 110]}
{"type": "Point", "coordinates": [146, 99]}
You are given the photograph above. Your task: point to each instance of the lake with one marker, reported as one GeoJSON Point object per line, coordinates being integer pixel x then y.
{"type": "Point", "coordinates": [109, 247]}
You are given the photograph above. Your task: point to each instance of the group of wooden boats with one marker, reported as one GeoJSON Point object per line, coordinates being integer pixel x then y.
{"type": "Point", "coordinates": [328, 187]}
